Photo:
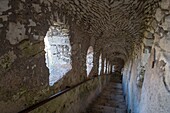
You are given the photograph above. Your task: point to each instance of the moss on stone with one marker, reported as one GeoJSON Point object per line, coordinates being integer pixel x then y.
{"type": "Point", "coordinates": [28, 49]}
{"type": "Point", "coordinates": [24, 45]}
{"type": "Point", "coordinates": [6, 60]}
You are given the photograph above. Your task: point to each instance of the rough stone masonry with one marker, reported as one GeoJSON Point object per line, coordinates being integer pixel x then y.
{"type": "Point", "coordinates": [132, 34]}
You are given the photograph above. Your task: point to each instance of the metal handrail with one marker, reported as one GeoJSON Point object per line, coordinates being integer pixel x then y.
{"type": "Point", "coordinates": [34, 106]}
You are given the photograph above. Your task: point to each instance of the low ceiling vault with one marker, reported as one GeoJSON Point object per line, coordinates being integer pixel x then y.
{"type": "Point", "coordinates": [118, 23]}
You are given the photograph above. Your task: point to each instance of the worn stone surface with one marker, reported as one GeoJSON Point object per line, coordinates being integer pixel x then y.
{"type": "Point", "coordinates": [153, 94]}
{"type": "Point", "coordinates": [76, 100]}
{"type": "Point", "coordinates": [166, 23]}
{"type": "Point", "coordinates": [7, 60]}
{"type": "Point", "coordinates": [116, 28]}
{"type": "Point", "coordinates": [165, 4]}
{"type": "Point", "coordinates": [111, 99]}
{"type": "Point", "coordinates": [4, 5]}
{"type": "Point", "coordinates": [159, 14]}
{"type": "Point", "coordinates": [16, 33]}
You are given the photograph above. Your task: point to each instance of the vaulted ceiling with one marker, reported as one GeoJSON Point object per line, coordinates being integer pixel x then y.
{"type": "Point", "coordinates": [117, 25]}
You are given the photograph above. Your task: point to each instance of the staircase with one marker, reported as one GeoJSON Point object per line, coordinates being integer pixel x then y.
{"type": "Point", "coordinates": [111, 100]}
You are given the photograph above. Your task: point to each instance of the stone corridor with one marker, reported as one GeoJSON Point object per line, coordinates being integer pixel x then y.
{"type": "Point", "coordinates": [56, 55]}
{"type": "Point", "coordinates": [111, 99]}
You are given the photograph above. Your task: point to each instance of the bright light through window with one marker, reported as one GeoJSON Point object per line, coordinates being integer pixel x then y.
{"type": "Point", "coordinates": [100, 65]}
{"type": "Point", "coordinates": [89, 60]}
{"type": "Point", "coordinates": [105, 66]}
{"type": "Point", "coordinates": [113, 68]}
{"type": "Point", "coordinates": [58, 53]}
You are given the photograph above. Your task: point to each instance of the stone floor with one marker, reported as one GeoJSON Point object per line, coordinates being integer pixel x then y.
{"type": "Point", "coordinates": [111, 100]}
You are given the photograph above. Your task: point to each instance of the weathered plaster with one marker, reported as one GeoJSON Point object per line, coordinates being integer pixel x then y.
{"type": "Point", "coordinates": [16, 33]}
{"type": "Point", "coordinates": [154, 90]}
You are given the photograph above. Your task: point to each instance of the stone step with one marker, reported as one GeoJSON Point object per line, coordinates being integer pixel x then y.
{"type": "Point", "coordinates": [111, 100]}
{"type": "Point", "coordinates": [107, 93]}
{"type": "Point", "coordinates": [116, 81]}
{"type": "Point", "coordinates": [111, 103]}
{"type": "Point", "coordinates": [105, 99]}
{"type": "Point", "coordinates": [116, 92]}
{"type": "Point", "coordinates": [106, 109]}
{"type": "Point", "coordinates": [115, 84]}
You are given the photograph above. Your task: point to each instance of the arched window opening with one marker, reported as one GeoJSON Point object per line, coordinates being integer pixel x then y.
{"type": "Point", "coordinates": [58, 53]}
{"type": "Point", "coordinates": [100, 64]}
{"type": "Point", "coordinates": [89, 60]}
{"type": "Point", "coordinates": [108, 67]}
{"type": "Point", "coordinates": [113, 68]}
{"type": "Point", "coordinates": [105, 66]}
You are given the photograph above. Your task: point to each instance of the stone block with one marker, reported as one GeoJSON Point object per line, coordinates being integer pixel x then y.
{"type": "Point", "coordinates": [166, 24]}
{"type": "Point", "coordinates": [16, 33]}
{"type": "Point", "coordinates": [165, 4]}
{"type": "Point", "coordinates": [165, 42]}
{"type": "Point", "coordinates": [148, 34]}
{"type": "Point", "coordinates": [159, 15]}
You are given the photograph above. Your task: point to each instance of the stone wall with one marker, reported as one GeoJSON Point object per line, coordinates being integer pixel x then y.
{"type": "Point", "coordinates": [76, 100]}
{"type": "Point", "coordinates": [24, 23]}
{"type": "Point", "coordinates": [146, 76]}
{"type": "Point", "coordinates": [24, 76]}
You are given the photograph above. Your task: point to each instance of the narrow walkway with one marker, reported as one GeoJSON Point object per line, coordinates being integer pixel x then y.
{"type": "Point", "coordinates": [111, 100]}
